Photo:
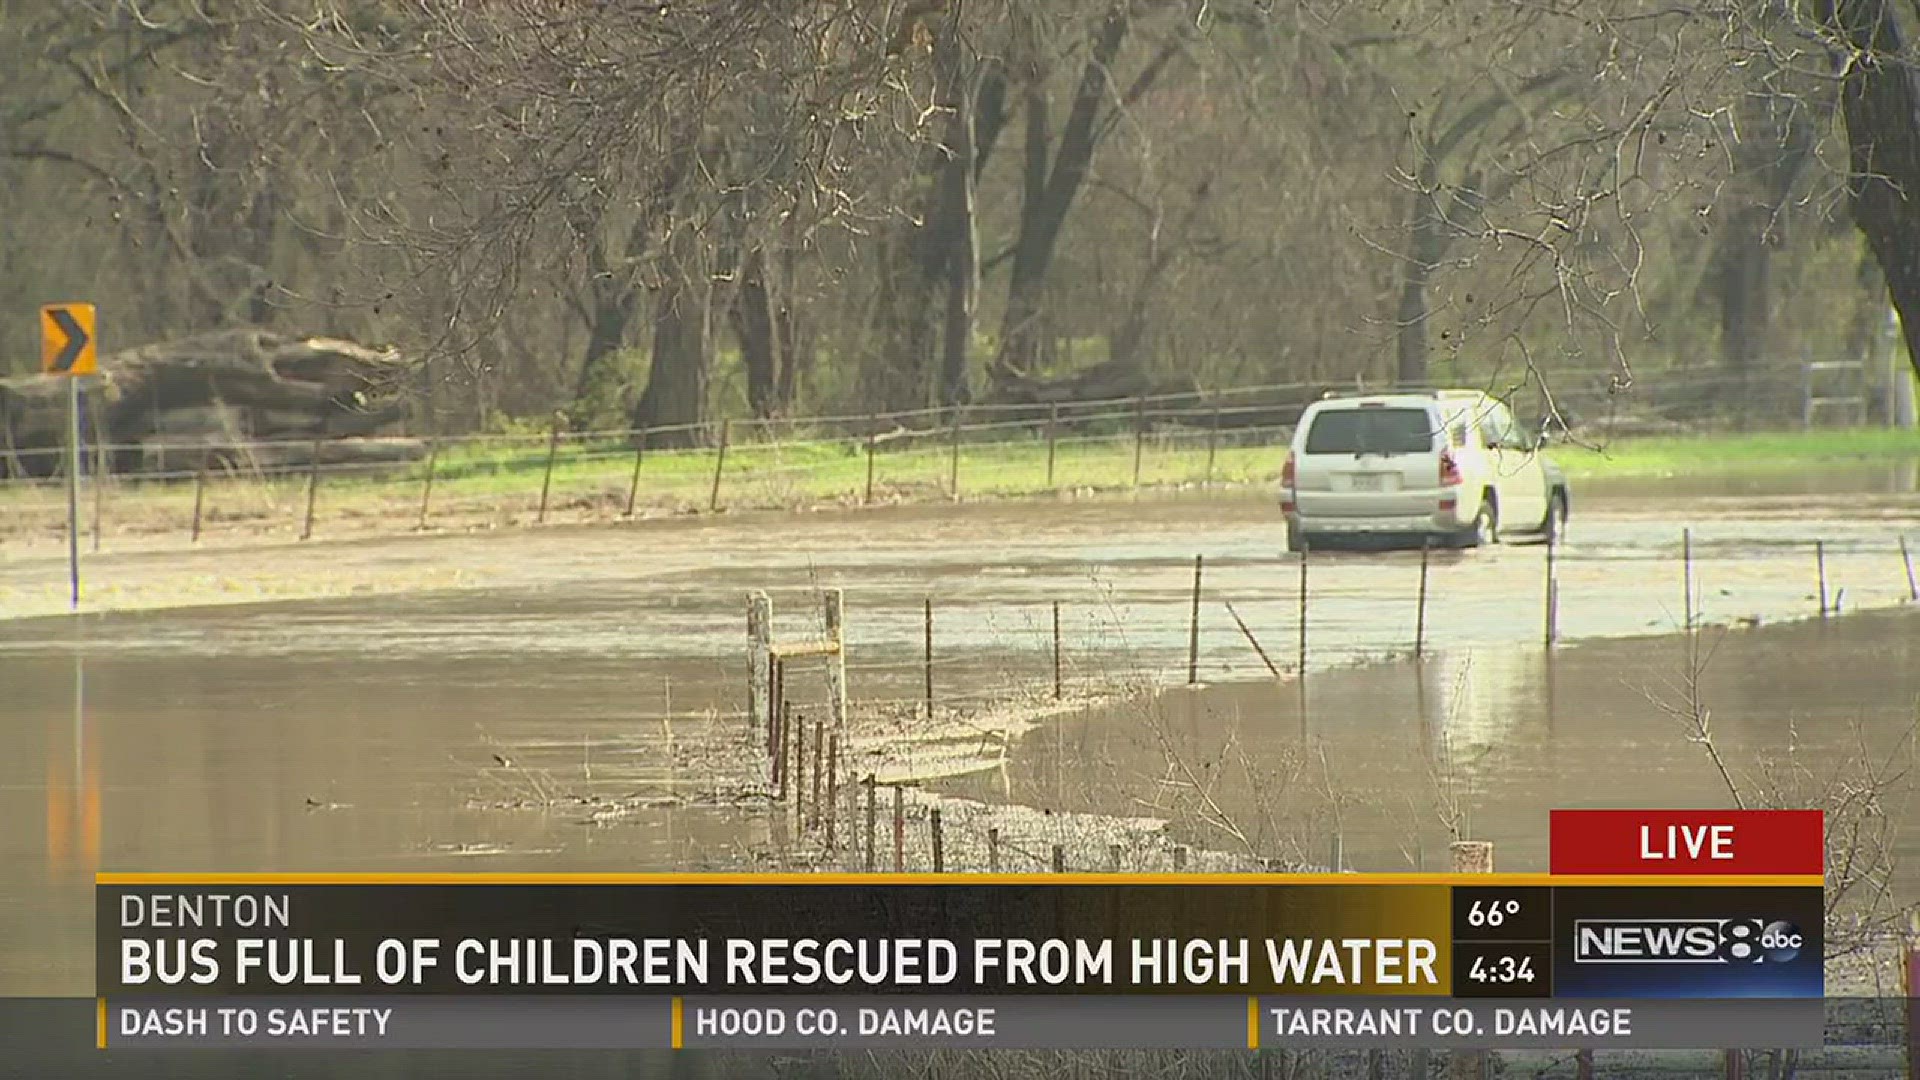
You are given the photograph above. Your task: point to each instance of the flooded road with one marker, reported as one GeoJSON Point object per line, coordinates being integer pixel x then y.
{"type": "Point", "coordinates": [1380, 766]}
{"type": "Point", "coordinates": [429, 717]}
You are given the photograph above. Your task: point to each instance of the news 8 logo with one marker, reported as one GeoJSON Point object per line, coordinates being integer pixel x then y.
{"type": "Point", "coordinates": [1686, 941]}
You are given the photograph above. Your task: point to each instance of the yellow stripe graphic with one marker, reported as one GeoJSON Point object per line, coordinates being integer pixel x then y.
{"type": "Point", "coordinates": [679, 1024]}
{"type": "Point", "coordinates": [1253, 1023]}
{"type": "Point", "coordinates": [100, 1030]}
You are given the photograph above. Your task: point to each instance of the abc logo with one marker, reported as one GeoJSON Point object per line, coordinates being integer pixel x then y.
{"type": "Point", "coordinates": [1781, 941]}
{"type": "Point", "coordinates": [1751, 940]}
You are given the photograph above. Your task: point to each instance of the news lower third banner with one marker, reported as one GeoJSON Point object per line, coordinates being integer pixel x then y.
{"type": "Point", "coordinates": [917, 961]}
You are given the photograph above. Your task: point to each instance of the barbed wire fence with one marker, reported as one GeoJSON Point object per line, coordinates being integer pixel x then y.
{"type": "Point", "coordinates": [187, 489]}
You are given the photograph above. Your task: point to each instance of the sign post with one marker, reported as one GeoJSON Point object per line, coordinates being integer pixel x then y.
{"type": "Point", "coordinates": [67, 348]}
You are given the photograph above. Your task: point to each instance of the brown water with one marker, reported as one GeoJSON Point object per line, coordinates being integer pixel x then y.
{"type": "Point", "coordinates": [1376, 762]}
{"type": "Point", "coordinates": [361, 731]}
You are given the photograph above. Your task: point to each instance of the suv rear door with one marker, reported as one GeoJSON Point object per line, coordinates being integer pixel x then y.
{"type": "Point", "coordinates": [1379, 455]}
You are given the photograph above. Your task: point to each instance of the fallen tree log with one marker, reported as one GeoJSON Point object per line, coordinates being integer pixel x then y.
{"type": "Point", "coordinates": [224, 387]}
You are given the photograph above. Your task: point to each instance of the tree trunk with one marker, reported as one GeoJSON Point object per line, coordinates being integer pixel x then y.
{"type": "Point", "coordinates": [1427, 242]}
{"type": "Point", "coordinates": [1745, 272]}
{"type": "Point", "coordinates": [786, 328]}
{"type": "Point", "coordinates": [1880, 100]}
{"type": "Point", "coordinates": [1052, 182]}
{"type": "Point", "coordinates": [676, 394]}
{"type": "Point", "coordinates": [961, 254]}
{"type": "Point", "coordinates": [761, 346]}
{"type": "Point", "coordinates": [611, 300]}
{"type": "Point", "coordinates": [929, 266]}
{"type": "Point", "coordinates": [1769, 161]}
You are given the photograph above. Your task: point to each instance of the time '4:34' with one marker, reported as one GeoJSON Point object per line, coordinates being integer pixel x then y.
{"type": "Point", "coordinates": [1502, 969]}
{"type": "Point", "coordinates": [1506, 969]}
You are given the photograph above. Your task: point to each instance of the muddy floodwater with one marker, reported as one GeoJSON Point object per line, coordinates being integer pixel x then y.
{"type": "Point", "coordinates": [428, 715]}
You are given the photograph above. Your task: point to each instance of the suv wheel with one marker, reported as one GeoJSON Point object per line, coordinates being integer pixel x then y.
{"type": "Point", "coordinates": [1486, 525]}
{"type": "Point", "coordinates": [1554, 529]}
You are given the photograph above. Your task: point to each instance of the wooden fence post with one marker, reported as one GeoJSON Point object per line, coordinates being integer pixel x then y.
{"type": "Point", "coordinates": [1213, 443]}
{"type": "Point", "coordinates": [953, 459]}
{"type": "Point", "coordinates": [819, 753]}
{"type": "Point", "coordinates": [899, 829]}
{"type": "Point", "coordinates": [1193, 626]}
{"type": "Point", "coordinates": [1247, 633]}
{"type": "Point", "coordinates": [777, 696]}
{"type": "Point", "coordinates": [1059, 859]}
{"type": "Point", "coordinates": [200, 491]}
{"type": "Point", "coordinates": [426, 483]}
{"type": "Point", "coordinates": [313, 488]}
{"type": "Point", "coordinates": [781, 756]}
{"type": "Point", "coordinates": [871, 853]}
{"type": "Point", "coordinates": [1551, 601]}
{"type": "Point", "coordinates": [1302, 659]}
{"type": "Point", "coordinates": [1139, 437]}
{"type": "Point", "coordinates": [939, 842]}
{"type": "Point", "coordinates": [719, 465]}
{"type": "Point", "coordinates": [546, 477]}
{"type": "Point", "coordinates": [1686, 579]}
{"type": "Point", "coordinates": [835, 604]}
{"type": "Point", "coordinates": [927, 661]}
{"type": "Point", "coordinates": [993, 851]}
{"type": "Point", "coordinates": [759, 658]}
{"type": "Point", "coordinates": [633, 482]}
{"type": "Point", "coordinates": [1913, 590]}
{"type": "Point", "coordinates": [1056, 650]}
{"type": "Point", "coordinates": [796, 766]}
{"type": "Point", "coordinates": [873, 446]}
{"type": "Point", "coordinates": [833, 789]}
{"type": "Point", "coordinates": [1053, 435]}
{"type": "Point", "coordinates": [1420, 605]}
{"type": "Point", "coordinates": [1820, 566]}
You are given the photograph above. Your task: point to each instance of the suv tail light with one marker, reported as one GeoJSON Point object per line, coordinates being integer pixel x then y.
{"type": "Point", "coordinates": [1449, 469]}
{"type": "Point", "coordinates": [1287, 472]}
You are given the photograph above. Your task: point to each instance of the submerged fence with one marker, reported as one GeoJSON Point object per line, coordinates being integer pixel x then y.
{"type": "Point", "coordinates": [190, 488]}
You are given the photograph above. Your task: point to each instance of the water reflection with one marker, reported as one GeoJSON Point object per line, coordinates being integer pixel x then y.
{"type": "Point", "coordinates": [1399, 758]}
{"type": "Point", "coordinates": [73, 792]}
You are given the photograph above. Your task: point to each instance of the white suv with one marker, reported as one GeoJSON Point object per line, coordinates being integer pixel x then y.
{"type": "Point", "coordinates": [1446, 464]}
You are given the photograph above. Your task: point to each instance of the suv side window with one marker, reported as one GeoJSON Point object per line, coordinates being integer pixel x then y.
{"type": "Point", "coordinates": [1496, 425]}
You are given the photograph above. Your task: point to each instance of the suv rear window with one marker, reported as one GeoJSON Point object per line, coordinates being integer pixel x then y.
{"type": "Point", "coordinates": [1371, 431]}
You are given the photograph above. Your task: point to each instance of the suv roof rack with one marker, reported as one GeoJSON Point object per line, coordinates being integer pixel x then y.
{"type": "Point", "coordinates": [1335, 395]}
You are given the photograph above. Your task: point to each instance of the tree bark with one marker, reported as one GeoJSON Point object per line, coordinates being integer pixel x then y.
{"type": "Point", "coordinates": [1427, 245]}
{"type": "Point", "coordinates": [1880, 100]}
{"type": "Point", "coordinates": [231, 385]}
{"type": "Point", "coordinates": [761, 347]}
{"type": "Point", "coordinates": [960, 258]}
{"type": "Point", "coordinates": [786, 328]}
{"type": "Point", "coordinates": [1744, 268]}
{"type": "Point", "coordinates": [1777, 146]}
{"type": "Point", "coordinates": [930, 265]}
{"type": "Point", "coordinates": [611, 300]}
{"type": "Point", "coordinates": [677, 380]}
{"type": "Point", "coordinates": [1052, 181]}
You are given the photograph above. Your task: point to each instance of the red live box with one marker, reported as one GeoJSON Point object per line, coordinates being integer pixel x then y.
{"type": "Point", "coordinates": [1688, 842]}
